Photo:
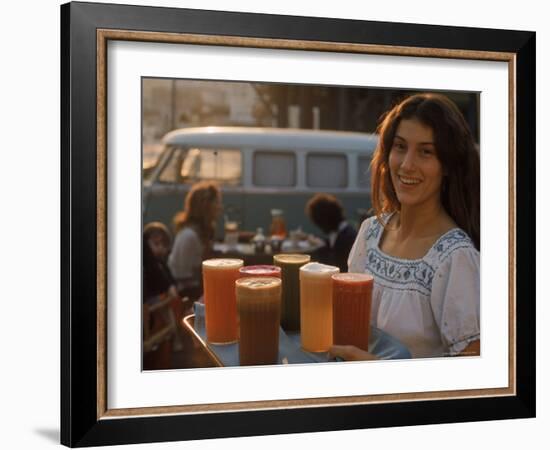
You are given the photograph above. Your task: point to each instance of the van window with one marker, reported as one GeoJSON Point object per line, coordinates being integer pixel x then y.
{"type": "Point", "coordinates": [198, 164]}
{"type": "Point", "coordinates": [363, 172]}
{"type": "Point", "coordinates": [274, 169]}
{"type": "Point", "coordinates": [170, 172]}
{"type": "Point", "coordinates": [326, 170]}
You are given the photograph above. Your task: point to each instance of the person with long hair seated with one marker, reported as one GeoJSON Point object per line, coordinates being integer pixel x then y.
{"type": "Point", "coordinates": [422, 245]}
{"type": "Point", "coordinates": [195, 227]}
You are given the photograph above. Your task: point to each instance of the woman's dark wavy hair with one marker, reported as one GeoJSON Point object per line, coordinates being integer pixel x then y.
{"type": "Point", "coordinates": [456, 150]}
{"type": "Point", "coordinates": [157, 228]}
{"type": "Point", "coordinates": [325, 211]}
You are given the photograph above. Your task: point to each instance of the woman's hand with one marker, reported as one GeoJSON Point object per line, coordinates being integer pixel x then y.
{"type": "Point", "coordinates": [473, 349]}
{"type": "Point", "coordinates": [350, 353]}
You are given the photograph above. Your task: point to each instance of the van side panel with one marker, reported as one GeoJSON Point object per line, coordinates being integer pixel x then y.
{"type": "Point", "coordinates": [251, 202]}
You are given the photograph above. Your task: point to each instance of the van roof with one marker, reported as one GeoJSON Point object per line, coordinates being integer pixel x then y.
{"type": "Point", "coordinates": [271, 138]}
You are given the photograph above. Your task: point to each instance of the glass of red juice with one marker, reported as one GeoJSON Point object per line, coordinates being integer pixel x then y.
{"type": "Point", "coordinates": [351, 307]}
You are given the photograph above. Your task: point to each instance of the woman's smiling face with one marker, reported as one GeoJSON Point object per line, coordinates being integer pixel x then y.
{"type": "Point", "coordinates": [415, 169]}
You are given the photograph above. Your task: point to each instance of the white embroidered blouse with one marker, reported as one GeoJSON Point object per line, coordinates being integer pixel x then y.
{"type": "Point", "coordinates": [430, 304]}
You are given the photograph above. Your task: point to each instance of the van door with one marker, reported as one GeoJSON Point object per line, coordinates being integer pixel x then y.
{"type": "Point", "coordinates": [161, 196]}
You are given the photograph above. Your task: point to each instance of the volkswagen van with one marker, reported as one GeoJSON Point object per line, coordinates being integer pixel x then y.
{"type": "Point", "coordinates": [261, 169]}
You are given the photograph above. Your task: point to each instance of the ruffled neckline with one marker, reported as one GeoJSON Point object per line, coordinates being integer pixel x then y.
{"type": "Point", "coordinates": [405, 260]}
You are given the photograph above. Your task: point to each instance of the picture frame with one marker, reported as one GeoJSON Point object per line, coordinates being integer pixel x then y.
{"type": "Point", "coordinates": [86, 418]}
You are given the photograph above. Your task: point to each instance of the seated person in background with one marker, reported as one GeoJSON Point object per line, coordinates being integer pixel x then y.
{"type": "Point", "coordinates": [327, 213]}
{"type": "Point", "coordinates": [195, 227]}
{"type": "Point", "coordinates": [159, 285]}
{"type": "Point", "coordinates": [157, 279]}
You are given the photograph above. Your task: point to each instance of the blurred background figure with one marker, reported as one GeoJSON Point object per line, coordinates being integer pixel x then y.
{"type": "Point", "coordinates": [327, 213]}
{"type": "Point", "coordinates": [195, 227]}
{"type": "Point", "coordinates": [162, 307]}
{"type": "Point", "coordinates": [157, 279]}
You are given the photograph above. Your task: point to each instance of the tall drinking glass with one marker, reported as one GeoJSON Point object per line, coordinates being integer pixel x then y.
{"type": "Point", "coordinates": [219, 276]}
{"type": "Point", "coordinates": [352, 297]}
{"type": "Point", "coordinates": [290, 302]}
{"type": "Point", "coordinates": [316, 306]}
{"type": "Point", "coordinates": [259, 306]}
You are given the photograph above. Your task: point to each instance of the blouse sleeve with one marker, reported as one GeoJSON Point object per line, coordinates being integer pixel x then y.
{"type": "Point", "coordinates": [358, 253]}
{"type": "Point", "coordinates": [455, 299]}
{"type": "Point", "coordinates": [186, 255]}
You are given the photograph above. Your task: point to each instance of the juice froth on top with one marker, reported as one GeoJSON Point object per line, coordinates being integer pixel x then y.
{"type": "Point", "coordinates": [289, 258]}
{"type": "Point", "coordinates": [223, 263]}
{"type": "Point", "coordinates": [353, 277]}
{"type": "Point", "coordinates": [259, 269]}
{"type": "Point", "coordinates": [258, 283]}
{"type": "Point", "coordinates": [318, 269]}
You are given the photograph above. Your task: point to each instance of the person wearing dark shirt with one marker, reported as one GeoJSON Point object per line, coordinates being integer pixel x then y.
{"type": "Point", "coordinates": [327, 213]}
{"type": "Point", "coordinates": [157, 279]}
{"type": "Point", "coordinates": [159, 284]}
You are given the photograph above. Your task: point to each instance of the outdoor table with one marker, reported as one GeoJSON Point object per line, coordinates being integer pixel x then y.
{"type": "Point", "coordinates": [381, 344]}
{"type": "Point", "coordinates": [246, 251]}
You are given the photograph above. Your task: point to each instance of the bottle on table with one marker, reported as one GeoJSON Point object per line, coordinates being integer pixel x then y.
{"type": "Point", "coordinates": [278, 224]}
{"type": "Point", "coordinates": [259, 241]}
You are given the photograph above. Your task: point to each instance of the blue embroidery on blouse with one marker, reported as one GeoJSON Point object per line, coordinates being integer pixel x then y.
{"type": "Point", "coordinates": [411, 275]}
{"type": "Point", "coordinates": [416, 275]}
{"type": "Point", "coordinates": [451, 241]}
{"type": "Point", "coordinates": [373, 230]}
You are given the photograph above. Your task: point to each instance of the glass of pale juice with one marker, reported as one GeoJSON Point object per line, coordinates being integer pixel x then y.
{"type": "Point", "coordinates": [316, 306]}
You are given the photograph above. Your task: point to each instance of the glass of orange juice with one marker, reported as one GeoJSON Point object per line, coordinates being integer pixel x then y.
{"type": "Point", "coordinates": [220, 303]}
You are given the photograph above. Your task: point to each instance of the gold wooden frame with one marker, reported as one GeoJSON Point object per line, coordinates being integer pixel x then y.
{"type": "Point", "coordinates": [103, 36]}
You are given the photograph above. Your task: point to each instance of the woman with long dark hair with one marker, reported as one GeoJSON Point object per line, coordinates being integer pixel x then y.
{"type": "Point", "coordinates": [422, 245]}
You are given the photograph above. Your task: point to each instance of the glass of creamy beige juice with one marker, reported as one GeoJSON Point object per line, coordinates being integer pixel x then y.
{"type": "Point", "coordinates": [316, 306]}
